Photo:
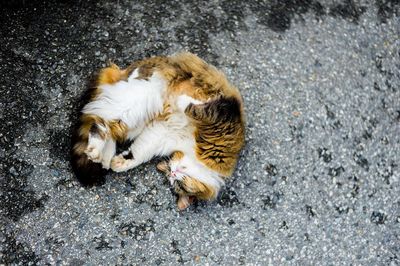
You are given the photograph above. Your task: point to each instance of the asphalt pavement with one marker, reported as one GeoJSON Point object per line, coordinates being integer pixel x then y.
{"type": "Point", "coordinates": [318, 182]}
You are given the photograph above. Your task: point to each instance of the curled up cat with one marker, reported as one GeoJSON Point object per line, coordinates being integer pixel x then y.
{"type": "Point", "coordinates": [177, 106]}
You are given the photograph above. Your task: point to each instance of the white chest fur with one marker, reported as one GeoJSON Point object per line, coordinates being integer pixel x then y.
{"type": "Point", "coordinates": [132, 101]}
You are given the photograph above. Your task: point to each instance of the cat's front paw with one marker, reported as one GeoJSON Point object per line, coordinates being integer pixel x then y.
{"type": "Point", "coordinates": [93, 154]}
{"type": "Point", "coordinates": [120, 164]}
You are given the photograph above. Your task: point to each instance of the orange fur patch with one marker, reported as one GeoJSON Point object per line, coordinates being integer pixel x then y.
{"type": "Point", "coordinates": [118, 130]}
{"type": "Point", "coordinates": [177, 155]}
{"type": "Point", "coordinates": [110, 75]}
{"type": "Point", "coordinates": [196, 188]}
{"type": "Point", "coordinates": [166, 113]}
{"type": "Point", "coordinates": [222, 154]}
{"type": "Point", "coordinates": [149, 65]}
{"type": "Point", "coordinates": [199, 79]}
{"type": "Point", "coordinates": [89, 120]}
{"type": "Point", "coordinates": [115, 129]}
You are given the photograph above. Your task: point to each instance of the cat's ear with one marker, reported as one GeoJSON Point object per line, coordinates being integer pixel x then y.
{"type": "Point", "coordinates": [163, 167]}
{"type": "Point", "coordinates": [177, 155]}
{"type": "Point", "coordinates": [200, 190]}
{"type": "Point", "coordinates": [185, 201]}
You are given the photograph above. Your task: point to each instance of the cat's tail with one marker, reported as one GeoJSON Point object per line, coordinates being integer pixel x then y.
{"type": "Point", "coordinates": [86, 171]}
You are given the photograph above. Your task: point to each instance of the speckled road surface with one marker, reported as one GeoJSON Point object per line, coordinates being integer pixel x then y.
{"type": "Point", "coordinates": [318, 180]}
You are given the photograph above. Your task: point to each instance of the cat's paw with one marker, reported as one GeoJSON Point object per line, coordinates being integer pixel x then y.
{"type": "Point", "coordinates": [106, 164]}
{"type": "Point", "coordinates": [93, 154]}
{"type": "Point", "coordinates": [120, 164]}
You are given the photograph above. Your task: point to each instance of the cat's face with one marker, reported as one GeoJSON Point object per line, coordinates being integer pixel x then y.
{"type": "Point", "coordinates": [185, 175]}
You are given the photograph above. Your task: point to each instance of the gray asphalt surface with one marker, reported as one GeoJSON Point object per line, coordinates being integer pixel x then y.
{"type": "Point", "coordinates": [318, 180]}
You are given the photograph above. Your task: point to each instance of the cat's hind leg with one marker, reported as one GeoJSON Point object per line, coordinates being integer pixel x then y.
{"type": "Point", "coordinates": [86, 153]}
{"type": "Point", "coordinates": [100, 149]}
{"type": "Point", "coordinates": [153, 141]}
{"type": "Point", "coordinates": [123, 162]}
{"type": "Point", "coordinates": [96, 143]}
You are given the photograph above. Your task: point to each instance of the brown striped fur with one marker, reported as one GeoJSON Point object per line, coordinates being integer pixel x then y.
{"type": "Point", "coordinates": [219, 123]}
{"type": "Point", "coordinates": [219, 133]}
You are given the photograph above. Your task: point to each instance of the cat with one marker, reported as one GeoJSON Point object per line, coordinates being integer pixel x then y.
{"type": "Point", "coordinates": [176, 106]}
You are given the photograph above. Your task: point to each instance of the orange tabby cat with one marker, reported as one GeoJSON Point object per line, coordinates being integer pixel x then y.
{"type": "Point", "coordinates": [177, 105]}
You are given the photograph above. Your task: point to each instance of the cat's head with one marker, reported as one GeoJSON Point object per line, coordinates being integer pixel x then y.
{"type": "Point", "coordinates": [190, 179]}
